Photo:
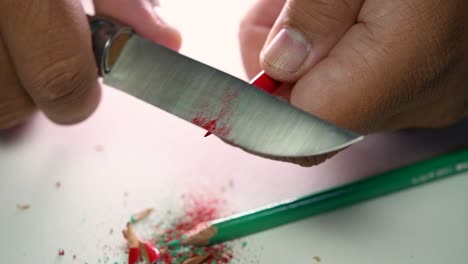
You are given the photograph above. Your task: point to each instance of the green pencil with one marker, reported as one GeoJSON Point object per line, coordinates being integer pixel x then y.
{"type": "Point", "coordinates": [288, 211]}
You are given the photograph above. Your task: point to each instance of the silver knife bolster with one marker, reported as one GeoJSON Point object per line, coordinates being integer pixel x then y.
{"type": "Point", "coordinates": [108, 39]}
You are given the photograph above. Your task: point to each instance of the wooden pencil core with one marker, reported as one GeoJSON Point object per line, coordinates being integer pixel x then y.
{"type": "Point", "coordinates": [201, 238]}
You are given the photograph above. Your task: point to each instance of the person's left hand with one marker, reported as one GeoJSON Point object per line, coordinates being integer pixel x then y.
{"type": "Point", "coordinates": [46, 60]}
{"type": "Point", "coordinates": [141, 16]}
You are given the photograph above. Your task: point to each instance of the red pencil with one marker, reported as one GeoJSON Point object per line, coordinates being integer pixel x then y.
{"type": "Point", "coordinates": [263, 82]}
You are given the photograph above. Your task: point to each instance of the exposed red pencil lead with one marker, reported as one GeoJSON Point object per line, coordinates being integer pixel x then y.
{"type": "Point", "coordinates": [263, 82]}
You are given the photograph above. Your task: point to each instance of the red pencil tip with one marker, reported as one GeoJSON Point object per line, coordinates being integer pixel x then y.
{"type": "Point", "coordinates": [264, 82]}
{"type": "Point", "coordinates": [207, 134]}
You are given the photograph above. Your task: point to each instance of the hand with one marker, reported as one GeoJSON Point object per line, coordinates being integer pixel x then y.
{"type": "Point", "coordinates": [46, 58]}
{"type": "Point", "coordinates": [365, 65]}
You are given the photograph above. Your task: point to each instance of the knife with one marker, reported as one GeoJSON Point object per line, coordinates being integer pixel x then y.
{"type": "Point", "coordinates": [226, 106]}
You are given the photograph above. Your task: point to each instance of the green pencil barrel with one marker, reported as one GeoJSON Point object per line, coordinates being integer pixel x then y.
{"type": "Point", "coordinates": [293, 210]}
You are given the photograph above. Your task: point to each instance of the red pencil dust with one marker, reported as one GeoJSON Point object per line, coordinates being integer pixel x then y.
{"type": "Point", "coordinates": [263, 82]}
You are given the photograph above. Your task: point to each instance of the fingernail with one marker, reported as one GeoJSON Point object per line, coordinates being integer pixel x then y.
{"type": "Point", "coordinates": [287, 51]}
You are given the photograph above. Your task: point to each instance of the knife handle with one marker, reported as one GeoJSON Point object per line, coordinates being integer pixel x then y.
{"type": "Point", "coordinates": [108, 39]}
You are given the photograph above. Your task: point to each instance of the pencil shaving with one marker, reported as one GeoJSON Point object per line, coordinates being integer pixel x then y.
{"type": "Point", "coordinates": [141, 215]}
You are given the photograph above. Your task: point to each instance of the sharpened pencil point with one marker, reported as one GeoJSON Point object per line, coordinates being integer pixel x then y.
{"type": "Point", "coordinates": [207, 134]}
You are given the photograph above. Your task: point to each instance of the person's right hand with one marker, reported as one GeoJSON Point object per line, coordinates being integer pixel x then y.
{"type": "Point", "coordinates": [46, 58]}
{"type": "Point", "coordinates": [365, 65]}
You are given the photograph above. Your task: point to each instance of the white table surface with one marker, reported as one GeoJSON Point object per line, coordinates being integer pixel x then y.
{"type": "Point", "coordinates": [124, 149]}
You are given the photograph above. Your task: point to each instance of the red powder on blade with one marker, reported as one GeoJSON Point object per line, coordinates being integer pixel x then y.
{"type": "Point", "coordinates": [211, 126]}
{"type": "Point", "coordinates": [61, 252]}
{"type": "Point", "coordinates": [219, 125]}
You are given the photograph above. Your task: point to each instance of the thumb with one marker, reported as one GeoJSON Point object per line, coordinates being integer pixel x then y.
{"type": "Point", "coordinates": [141, 16]}
{"type": "Point", "coordinates": [304, 34]}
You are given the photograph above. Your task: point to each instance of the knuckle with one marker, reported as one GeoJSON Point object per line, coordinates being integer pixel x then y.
{"type": "Point", "coordinates": [457, 112]}
{"type": "Point", "coordinates": [243, 30]}
{"type": "Point", "coordinates": [244, 23]}
{"type": "Point", "coordinates": [311, 161]}
{"type": "Point", "coordinates": [61, 78]}
{"type": "Point", "coordinates": [248, 27]}
{"type": "Point", "coordinates": [446, 119]}
{"type": "Point", "coordinates": [323, 13]}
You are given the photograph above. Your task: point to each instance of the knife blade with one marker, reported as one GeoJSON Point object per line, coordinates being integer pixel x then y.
{"type": "Point", "coordinates": [226, 106]}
